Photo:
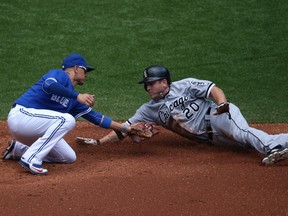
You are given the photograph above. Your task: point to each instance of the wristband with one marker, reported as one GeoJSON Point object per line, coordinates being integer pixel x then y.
{"type": "Point", "coordinates": [221, 104]}
{"type": "Point", "coordinates": [119, 135]}
{"type": "Point", "coordinates": [124, 128]}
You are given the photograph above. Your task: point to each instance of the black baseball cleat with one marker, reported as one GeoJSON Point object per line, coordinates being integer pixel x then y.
{"type": "Point", "coordinates": [275, 155]}
{"type": "Point", "coordinates": [8, 153]}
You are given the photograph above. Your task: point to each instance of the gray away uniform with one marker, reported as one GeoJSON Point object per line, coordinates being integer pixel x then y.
{"type": "Point", "coordinates": [187, 111]}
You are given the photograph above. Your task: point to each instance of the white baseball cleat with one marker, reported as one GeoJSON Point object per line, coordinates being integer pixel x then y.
{"type": "Point", "coordinates": [36, 169]}
{"type": "Point", "coordinates": [275, 156]}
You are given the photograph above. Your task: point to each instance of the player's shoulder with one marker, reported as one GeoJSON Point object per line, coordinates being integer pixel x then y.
{"type": "Point", "coordinates": [192, 81]}
{"type": "Point", "coordinates": [56, 73]}
{"type": "Point", "coordinates": [148, 105]}
{"type": "Point", "coordinates": [182, 82]}
{"type": "Point", "coordinates": [185, 80]}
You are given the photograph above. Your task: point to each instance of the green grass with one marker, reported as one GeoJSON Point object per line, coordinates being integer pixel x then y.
{"type": "Point", "coordinates": [240, 45]}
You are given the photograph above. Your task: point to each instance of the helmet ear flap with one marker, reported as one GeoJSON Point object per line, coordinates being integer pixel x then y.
{"type": "Point", "coordinates": [145, 86]}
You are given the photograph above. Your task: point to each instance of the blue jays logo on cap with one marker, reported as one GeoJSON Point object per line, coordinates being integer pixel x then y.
{"type": "Point", "coordinates": [76, 60]}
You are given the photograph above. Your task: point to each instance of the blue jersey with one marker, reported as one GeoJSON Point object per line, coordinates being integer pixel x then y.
{"type": "Point", "coordinates": [39, 98]}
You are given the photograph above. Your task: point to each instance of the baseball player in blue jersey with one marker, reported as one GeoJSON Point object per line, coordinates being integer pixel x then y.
{"type": "Point", "coordinates": [44, 114]}
{"type": "Point", "coordinates": [185, 108]}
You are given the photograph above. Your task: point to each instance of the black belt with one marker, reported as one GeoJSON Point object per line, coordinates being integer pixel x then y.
{"type": "Point", "coordinates": [208, 111]}
{"type": "Point", "coordinates": [208, 125]}
{"type": "Point", "coordinates": [14, 105]}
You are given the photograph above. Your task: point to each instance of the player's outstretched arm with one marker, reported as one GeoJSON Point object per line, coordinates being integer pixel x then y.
{"type": "Point", "coordinates": [137, 132]}
{"type": "Point", "coordinates": [118, 133]}
{"type": "Point", "coordinates": [109, 138]}
{"type": "Point", "coordinates": [112, 137]}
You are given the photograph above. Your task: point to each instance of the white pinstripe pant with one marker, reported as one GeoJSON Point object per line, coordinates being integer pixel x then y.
{"type": "Point", "coordinates": [39, 135]}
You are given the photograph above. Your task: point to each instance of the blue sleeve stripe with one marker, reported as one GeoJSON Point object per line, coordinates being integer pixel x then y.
{"type": "Point", "coordinates": [83, 113]}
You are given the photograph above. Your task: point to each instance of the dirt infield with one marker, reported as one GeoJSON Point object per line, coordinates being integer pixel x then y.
{"type": "Point", "coordinates": [167, 175]}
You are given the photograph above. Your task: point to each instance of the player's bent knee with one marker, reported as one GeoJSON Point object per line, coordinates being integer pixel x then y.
{"type": "Point", "coordinates": [71, 158]}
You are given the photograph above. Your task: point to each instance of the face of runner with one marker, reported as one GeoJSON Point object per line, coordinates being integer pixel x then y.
{"type": "Point", "coordinates": [157, 89]}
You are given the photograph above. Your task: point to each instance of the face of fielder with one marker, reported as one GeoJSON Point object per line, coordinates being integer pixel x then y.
{"type": "Point", "coordinates": [80, 74]}
{"type": "Point", "coordinates": [157, 89]}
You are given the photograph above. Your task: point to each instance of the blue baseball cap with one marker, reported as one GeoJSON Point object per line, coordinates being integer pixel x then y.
{"type": "Point", "coordinates": [76, 60]}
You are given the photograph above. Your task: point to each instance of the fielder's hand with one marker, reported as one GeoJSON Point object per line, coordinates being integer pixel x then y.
{"type": "Point", "coordinates": [87, 99]}
{"type": "Point", "coordinates": [222, 108]}
{"type": "Point", "coordinates": [89, 141]}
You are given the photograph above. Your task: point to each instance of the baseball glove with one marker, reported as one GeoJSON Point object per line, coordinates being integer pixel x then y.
{"type": "Point", "coordinates": [141, 131]}
{"type": "Point", "coordinates": [83, 140]}
{"type": "Point", "coordinates": [222, 108]}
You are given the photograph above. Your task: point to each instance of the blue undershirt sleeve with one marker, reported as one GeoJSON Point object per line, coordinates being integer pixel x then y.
{"type": "Point", "coordinates": [52, 86]}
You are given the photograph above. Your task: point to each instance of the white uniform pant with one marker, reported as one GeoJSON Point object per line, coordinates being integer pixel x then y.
{"type": "Point", "coordinates": [39, 135]}
{"type": "Point", "coordinates": [235, 130]}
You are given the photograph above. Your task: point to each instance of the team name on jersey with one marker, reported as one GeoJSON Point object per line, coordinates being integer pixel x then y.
{"type": "Point", "coordinates": [164, 114]}
{"type": "Point", "coordinates": [61, 100]}
{"type": "Point", "coordinates": [197, 83]}
{"type": "Point", "coordinates": [179, 102]}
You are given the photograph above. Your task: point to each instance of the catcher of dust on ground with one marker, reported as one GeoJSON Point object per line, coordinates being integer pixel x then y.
{"type": "Point", "coordinates": [166, 175]}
